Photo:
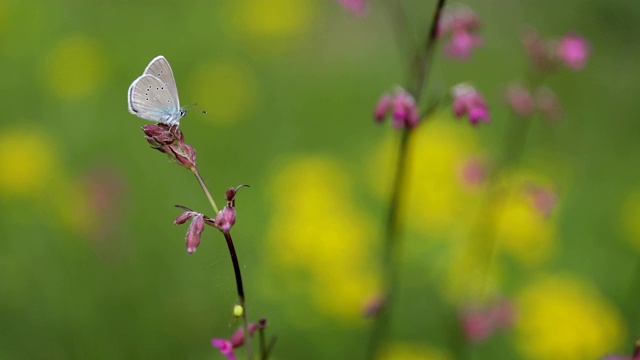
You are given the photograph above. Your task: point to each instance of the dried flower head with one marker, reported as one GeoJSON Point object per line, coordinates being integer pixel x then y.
{"type": "Point", "coordinates": [170, 140]}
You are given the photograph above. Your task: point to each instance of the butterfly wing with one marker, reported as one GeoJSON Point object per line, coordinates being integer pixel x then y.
{"type": "Point", "coordinates": [160, 68]}
{"type": "Point", "coordinates": [150, 98]}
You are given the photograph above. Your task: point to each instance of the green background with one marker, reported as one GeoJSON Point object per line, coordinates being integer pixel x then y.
{"type": "Point", "coordinates": [279, 79]}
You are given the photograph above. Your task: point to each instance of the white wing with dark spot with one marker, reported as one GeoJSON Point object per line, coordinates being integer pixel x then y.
{"type": "Point", "coordinates": [154, 96]}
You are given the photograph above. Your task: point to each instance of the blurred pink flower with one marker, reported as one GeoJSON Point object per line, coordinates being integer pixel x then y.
{"type": "Point", "coordinates": [461, 45]}
{"type": "Point", "coordinates": [356, 7]}
{"type": "Point", "coordinates": [540, 51]}
{"type": "Point", "coordinates": [573, 50]}
{"type": "Point", "coordinates": [225, 347]}
{"type": "Point", "coordinates": [480, 323]}
{"type": "Point", "coordinates": [468, 101]}
{"type": "Point", "coordinates": [236, 340]}
{"type": "Point", "coordinates": [461, 23]}
{"type": "Point", "coordinates": [520, 100]}
{"type": "Point", "coordinates": [404, 112]}
{"type": "Point", "coordinates": [473, 172]}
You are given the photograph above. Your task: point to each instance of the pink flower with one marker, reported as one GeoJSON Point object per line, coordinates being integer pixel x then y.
{"type": "Point", "coordinates": [468, 101]}
{"type": "Point", "coordinates": [356, 7]}
{"type": "Point", "coordinates": [480, 323]}
{"type": "Point", "coordinates": [461, 23]}
{"type": "Point", "coordinates": [520, 100]}
{"type": "Point", "coordinates": [573, 50]}
{"type": "Point", "coordinates": [194, 234]}
{"type": "Point", "coordinates": [225, 347]}
{"type": "Point", "coordinates": [473, 173]}
{"type": "Point", "coordinates": [461, 45]}
{"type": "Point", "coordinates": [404, 112]}
{"type": "Point", "coordinates": [237, 339]}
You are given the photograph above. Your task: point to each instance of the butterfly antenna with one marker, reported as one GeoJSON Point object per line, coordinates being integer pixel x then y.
{"type": "Point", "coordinates": [199, 110]}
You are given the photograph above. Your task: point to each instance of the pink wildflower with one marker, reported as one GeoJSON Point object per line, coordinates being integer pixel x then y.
{"type": "Point", "coordinates": [573, 50]}
{"type": "Point", "coordinates": [468, 101]}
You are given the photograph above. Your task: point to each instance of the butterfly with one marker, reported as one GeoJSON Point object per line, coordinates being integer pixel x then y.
{"type": "Point", "coordinates": [154, 96]}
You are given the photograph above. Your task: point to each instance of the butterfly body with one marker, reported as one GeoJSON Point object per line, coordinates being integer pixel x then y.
{"type": "Point", "coordinates": [154, 96]}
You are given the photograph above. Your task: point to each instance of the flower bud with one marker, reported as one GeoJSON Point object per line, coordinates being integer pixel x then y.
{"type": "Point", "coordinates": [184, 217]}
{"type": "Point", "coordinates": [468, 101]}
{"type": "Point", "coordinates": [194, 233]}
{"type": "Point", "coordinates": [225, 219]}
{"type": "Point", "coordinates": [382, 108]}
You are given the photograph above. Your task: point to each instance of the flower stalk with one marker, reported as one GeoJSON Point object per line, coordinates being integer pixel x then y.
{"type": "Point", "coordinates": [420, 67]}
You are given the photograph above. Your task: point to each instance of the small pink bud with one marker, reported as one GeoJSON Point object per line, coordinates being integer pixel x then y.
{"type": "Point", "coordinates": [225, 219]}
{"type": "Point", "coordinates": [225, 347]}
{"type": "Point", "coordinates": [573, 50]}
{"type": "Point", "coordinates": [194, 234]}
{"type": "Point", "coordinates": [184, 217]}
{"type": "Point", "coordinates": [468, 101]}
{"type": "Point", "coordinates": [382, 108]}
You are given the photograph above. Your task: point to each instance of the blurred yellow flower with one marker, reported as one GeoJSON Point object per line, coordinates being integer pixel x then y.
{"type": "Point", "coordinates": [562, 317]}
{"type": "Point", "coordinates": [436, 201]}
{"type": "Point", "coordinates": [30, 161]}
{"type": "Point", "coordinates": [318, 238]}
{"type": "Point", "coordinates": [274, 18]}
{"type": "Point", "coordinates": [522, 230]}
{"type": "Point", "coordinates": [405, 351]}
{"type": "Point", "coordinates": [75, 67]}
{"type": "Point", "coordinates": [233, 95]}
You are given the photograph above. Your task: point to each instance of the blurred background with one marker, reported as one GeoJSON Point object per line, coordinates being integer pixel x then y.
{"type": "Point", "coordinates": [91, 265]}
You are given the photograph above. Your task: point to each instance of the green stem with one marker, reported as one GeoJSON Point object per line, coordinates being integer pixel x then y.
{"type": "Point", "coordinates": [206, 191]}
{"type": "Point", "coordinates": [420, 67]}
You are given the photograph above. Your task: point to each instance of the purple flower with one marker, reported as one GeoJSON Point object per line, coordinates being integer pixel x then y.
{"type": "Point", "coordinates": [462, 24]}
{"type": "Point", "coordinates": [237, 339]}
{"type": "Point", "coordinates": [225, 219]}
{"type": "Point", "coordinates": [404, 112]}
{"type": "Point", "coordinates": [468, 101]}
{"type": "Point", "coordinates": [573, 50]}
{"type": "Point", "coordinates": [461, 45]}
{"type": "Point", "coordinates": [194, 234]}
{"type": "Point", "coordinates": [225, 347]}
{"type": "Point", "coordinates": [356, 7]}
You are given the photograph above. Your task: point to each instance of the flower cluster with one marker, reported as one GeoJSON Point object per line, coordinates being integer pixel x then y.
{"type": "Point", "coordinates": [572, 50]}
{"type": "Point", "coordinates": [223, 221]}
{"type": "Point", "coordinates": [170, 140]}
{"type": "Point", "coordinates": [461, 24]}
{"type": "Point", "coordinates": [525, 103]}
{"type": "Point", "coordinates": [404, 111]}
{"type": "Point", "coordinates": [226, 346]}
{"type": "Point", "coordinates": [468, 101]}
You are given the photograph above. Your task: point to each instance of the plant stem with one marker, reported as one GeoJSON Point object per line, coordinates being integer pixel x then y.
{"type": "Point", "coordinates": [206, 191]}
{"type": "Point", "coordinates": [241, 299]}
{"type": "Point", "coordinates": [420, 67]}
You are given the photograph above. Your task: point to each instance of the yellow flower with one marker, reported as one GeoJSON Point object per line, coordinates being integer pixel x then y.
{"type": "Point", "coordinates": [274, 18]}
{"type": "Point", "coordinates": [405, 351]}
{"type": "Point", "coordinates": [318, 238]}
{"type": "Point", "coordinates": [436, 201]}
{"type": "Point", "coordinates": [75, 67]}
{"type": "Point", "coordinates": [522, 230]}
{"type": "Point", "coordinates": [29, 162]}
{"type": "Point", "coordinates": [562, 317]}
